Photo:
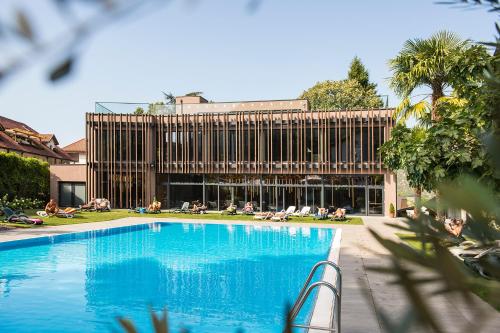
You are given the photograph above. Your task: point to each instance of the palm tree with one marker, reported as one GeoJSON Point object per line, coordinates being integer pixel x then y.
{"type": "Point", "coordinates": [437, 62]}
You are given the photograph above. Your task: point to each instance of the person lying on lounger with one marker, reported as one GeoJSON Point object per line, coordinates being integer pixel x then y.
{"type": "Point", "coordinates": [199, 208]}
{"type": "Point", "coordinates": [154, 207]}
{"type": "Point", "coordinates": [230, 210]}
{"type": "Point", "coordinates": [248, 208]}
{"type": "Point", "coordinates": [52, 209]}
{"type": "Point", "coordinates": [322, 214]}
{"type": "Point", "coordinates": [90, 205]}
{"type": "Point", "coordinates": [339, 214]}
{"type": "Point", "coordinates": [454, 226]}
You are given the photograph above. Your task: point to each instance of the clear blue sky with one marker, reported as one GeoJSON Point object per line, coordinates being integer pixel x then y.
{"type": "Point", "coordinates": [217, 47]}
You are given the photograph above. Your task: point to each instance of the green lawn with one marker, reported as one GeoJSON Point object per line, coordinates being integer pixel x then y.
{"type": "Point", "coordinates": [480, 285]}
{"type": "Point", "coordinates": [86, 217]}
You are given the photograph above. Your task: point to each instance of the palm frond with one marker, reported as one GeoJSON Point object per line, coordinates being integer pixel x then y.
{"type": "Point", "coordinates": [406, 109]}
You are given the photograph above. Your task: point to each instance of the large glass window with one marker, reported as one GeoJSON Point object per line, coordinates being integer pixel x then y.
{"type": "Point", "coordinates": [182, 193]}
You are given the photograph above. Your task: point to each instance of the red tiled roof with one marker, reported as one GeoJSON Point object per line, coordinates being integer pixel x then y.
{"type": "Point", "coordinates": [79, 146]}
{"type": "Point", "coordinates": [9, 123]}
{"type": "Point", "coordinates": [34, 147]}
{"type": "Point", "coordinates": [47, 137]}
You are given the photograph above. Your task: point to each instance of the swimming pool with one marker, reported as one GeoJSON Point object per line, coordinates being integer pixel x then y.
{"type": "Point", "coordinates": [210, 277]}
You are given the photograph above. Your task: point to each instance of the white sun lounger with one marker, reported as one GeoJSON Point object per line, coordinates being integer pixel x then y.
{"type": "Point", "coordinates": [303, 212]}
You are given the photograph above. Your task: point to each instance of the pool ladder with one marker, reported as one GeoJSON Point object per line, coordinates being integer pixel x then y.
{"type": "Point", "coordinates": [306, 291]}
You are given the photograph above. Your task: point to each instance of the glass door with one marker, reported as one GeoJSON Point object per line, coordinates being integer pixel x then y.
{"type": "Point", "coordinates": [375, 201]}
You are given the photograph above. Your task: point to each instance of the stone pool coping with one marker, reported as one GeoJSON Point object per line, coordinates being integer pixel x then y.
{"type": "Point", "coordinates": [323, 308]}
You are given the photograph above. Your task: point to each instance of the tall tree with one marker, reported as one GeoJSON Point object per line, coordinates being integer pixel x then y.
{"type": "Point", "coordinates": [439, 62]}
{"type": "Point", "coordinates": [357, 71]}
{"type": "Point", "coordinates": [354, 92]}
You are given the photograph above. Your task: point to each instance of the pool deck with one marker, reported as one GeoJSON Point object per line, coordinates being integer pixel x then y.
{"type": "Point", "coordinates": [365, 293]}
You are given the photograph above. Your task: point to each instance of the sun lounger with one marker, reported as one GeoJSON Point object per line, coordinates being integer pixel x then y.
{"type": "Point", "coordinates": [303, 212]}
{"type": "Point", "coordinates": [183, 209]}
{"type": "Point", "coordinates": [283, 216]}
{"type": "Point", "coordinates": [18, 217]}
{"type": "Point", "coordinates": [263, 216]}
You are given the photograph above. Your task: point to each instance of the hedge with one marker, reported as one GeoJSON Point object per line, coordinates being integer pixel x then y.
{"type": "Point", "coordinates": [23, 177]}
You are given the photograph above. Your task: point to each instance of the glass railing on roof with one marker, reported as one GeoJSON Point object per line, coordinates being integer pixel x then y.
{"type": "Point", "coordinates": [196, 108]}
{"type": "Point", "coordinates": [134, 108]}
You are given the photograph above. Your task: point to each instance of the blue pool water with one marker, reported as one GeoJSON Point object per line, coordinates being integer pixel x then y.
{"type": "Point", "coordinates": [211, 278]}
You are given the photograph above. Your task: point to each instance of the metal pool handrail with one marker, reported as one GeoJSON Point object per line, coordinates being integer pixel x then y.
{"type": "Point", "coordinates": [307, 289]}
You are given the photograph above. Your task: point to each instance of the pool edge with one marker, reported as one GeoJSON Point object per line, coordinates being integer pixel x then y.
{"type": "Point", "coordinates": [323, 310]}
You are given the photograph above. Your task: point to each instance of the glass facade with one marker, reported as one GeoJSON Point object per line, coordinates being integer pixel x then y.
{"type": "Point", "coordinates": [360, 194]}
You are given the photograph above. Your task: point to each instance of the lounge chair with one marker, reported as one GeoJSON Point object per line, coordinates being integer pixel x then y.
{"type": "Point", "coordinates": [263, 216]}
{"type": "Point", "coordinates": [60, 213]}
{"type": "Point", "coordinates": [18, 217]}
{"type": "Point", "coordinates": [66, 215]}
{"type": "Point", "coordinates": [282, 216]}
{"type": "Point", "coordinates": [303, 212]}
{"type": "Point", "coordinates": [183, 209]}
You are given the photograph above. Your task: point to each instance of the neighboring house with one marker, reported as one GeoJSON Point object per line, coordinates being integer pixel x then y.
{"type": "Point", "coordinates": [274, 153]}
{"type": "Point", "coordinates": [67, 181]}
{"type": "Point", "coordinates": [20, 138]}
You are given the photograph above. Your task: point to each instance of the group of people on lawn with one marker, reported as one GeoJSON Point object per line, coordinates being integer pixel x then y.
{"type": "Point", "coordinates": [452, 226]}
{"type": "Point", "coordinates": [52, 208]}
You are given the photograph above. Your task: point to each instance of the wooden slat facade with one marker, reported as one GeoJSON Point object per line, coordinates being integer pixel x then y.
{"type": "Point", "coordinates": [125, 152]}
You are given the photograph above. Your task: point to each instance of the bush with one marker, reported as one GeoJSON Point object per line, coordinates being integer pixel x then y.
{"type": "Point", "coordinates": [20, 203]}
{"type": "Point", "coordinates": [392, 210]}
{"type": "Point", "coordinates": [23, 177]}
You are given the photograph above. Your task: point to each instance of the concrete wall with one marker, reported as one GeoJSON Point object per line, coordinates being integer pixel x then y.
{"type": "Point", "coordinates": [390, 192]}
{"type": "Point", "coordinates": [65, 173]}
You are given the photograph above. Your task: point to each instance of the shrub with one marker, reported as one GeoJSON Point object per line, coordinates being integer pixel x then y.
{"type": "Point", "coordinates": [20, 203]}
{"type": "Point", "coordinates": [392, 210]}
{"type": "Point", "coordinates": [23, 177]}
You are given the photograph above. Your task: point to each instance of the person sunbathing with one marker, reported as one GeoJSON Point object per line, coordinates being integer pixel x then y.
{"type": "Point", "coordinates": [231, 209]}
{"type": "Point", "coordinates": [322, 213]}
{"type": "Point", "coordinates": [199, 208]}
{"type": "Point", "coordinates": [90, 205]}
{"type": "Point", "coordinates": [454, 226]}
{"type": "Point", "coordinates": [51, 207]}
{"type": "Point", "coordinates": [155, 206]}
{"type": "Point", "coordinates": [339, 213]}
{"type": "Point", "coordinates": [248, 208]}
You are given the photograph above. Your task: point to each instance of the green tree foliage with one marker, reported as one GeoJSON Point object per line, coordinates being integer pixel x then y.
{"type": "Point", "coordinates": [23, 177]}
{"type": "Point", "coordinates": [343, 94]}
{"type": "Point", "coordinates": [442, 61]}
{"type": "Point", "coordinates": [355, 92]}
{"type": "Point", "coordinates": [155, 108]}
{"type": "Point", "coordinates": [358, 72]}
{"type": "Point", "coordinates": [139, 111]}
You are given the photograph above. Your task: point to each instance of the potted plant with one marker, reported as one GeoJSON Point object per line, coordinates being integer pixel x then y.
{"type": "Point", "coordinates": [392, 210]}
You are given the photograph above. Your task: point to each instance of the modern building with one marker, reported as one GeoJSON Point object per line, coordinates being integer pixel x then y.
{"type": "Point", "coordinates": [68, 181]}
{"type": "Point", "coordinates": [273, 153]}
{"type": "Point", "coordinates": [17, 137]}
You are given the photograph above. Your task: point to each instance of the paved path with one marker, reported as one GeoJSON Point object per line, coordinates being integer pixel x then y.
{"type": "Point", "coordinates": [365, 293]}
{"type": "Point", "coordinates": [360, 250]}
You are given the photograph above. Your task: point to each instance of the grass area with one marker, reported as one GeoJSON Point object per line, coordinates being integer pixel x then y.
{"type": "Point", "coordinates": [408, 238]}
{"type": "Point", "coordinates": [86, 217]}
{"type": "Point", "coordinates": [479, 286]}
